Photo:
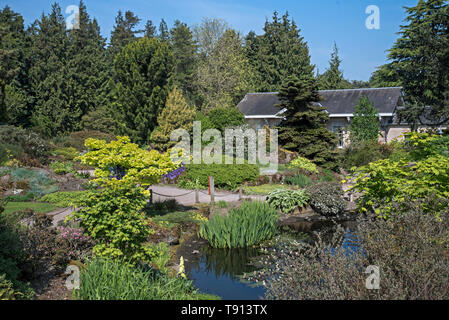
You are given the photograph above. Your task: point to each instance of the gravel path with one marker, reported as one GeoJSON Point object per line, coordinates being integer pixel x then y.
{"type": "Point", "coordinates": [187, 197]}
{"type": "Point", "coordinates": [60, 215]}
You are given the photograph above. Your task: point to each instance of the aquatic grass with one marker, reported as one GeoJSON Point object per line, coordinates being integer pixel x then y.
{"type": "Point", "coordinates": [250, 224]}
{"type": "Point", "coordinates": [106, 279]}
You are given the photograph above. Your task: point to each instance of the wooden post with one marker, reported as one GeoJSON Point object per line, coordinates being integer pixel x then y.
{"type": "Point", "coordinates": [151, 196]}
{"type": "Point", "coordinates": [197, 195]}
{"type": "Point", "coordinates": [212, 190]}
{"type": "Point", "coordinates": [240, 193]}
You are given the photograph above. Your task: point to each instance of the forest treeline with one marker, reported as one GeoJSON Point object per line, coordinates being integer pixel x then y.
{"type": "Point", "coordinates": [57, 81]}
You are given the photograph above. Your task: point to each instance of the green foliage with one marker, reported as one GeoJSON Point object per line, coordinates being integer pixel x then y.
{"type": "Point", "coordinates": [278, 53]}
{"type": "Point", "coordinates": [78, 139]}
{"type": "Point", "coordinates": [173, 218]}
{"type": "Point", "coordinates": [385, 181]}
{"type": "Point", "coordinates": [288, 200]}
{"type": "Point", "coordinates": [175, 115]}
{"type": "Point", "coordinates": [162, 257]}
{"type": "Point", "coordinates": [226, 176]}
{"type": "Point", "coordinates": [420, 169]}
{"type": "Point", "coordinates": [7, 291]}
{"type": "Point", "coordinates": [365, 123]}
{"type": "Point", "coordinates": [125, 160]}
{"type": "Point", "coordinates": [227, 87]}
{"type": "Point", "coordinates": [38, 207]}
{"type": "Point", "coordinates": [13, 259]}
{"type": "Point", "coordinates": [263, 189]}
{"type": "Point", "coordinates": [326, 198]}
{"type": "Point", "coordinates": [223, 118]}
{"type": "Point", "coordinates": [250, 224]}
{"type": "Point", "coordinates": [77, 59]}
{"type": "Point", "coordinates": [114, 217]}
{"type": "Point", "coordinates": [106, 279]}
{"type": "Point", "coordinates": [222, 204]}
{"type": "Point", "coordinates": [185, 58]}
{"type": "Point", "coordinates": [69, 153]}
{"type": "Point", "coordinates": [299, 180]}
{"type": "Point", "coordinates": [142, 70]}
{"type": "Point", "coordinates": [420, 57]}
{"type": "Point", "coordinates": [100, 120]}
{"type": "Point", "coordinates": [304, 128]}
{"type": "Point", "coordinates": [304, 164]}
{"type": "Point", "coordinates": [333, 77]}
{"type": "Point", "coordinates": [64, 199]}
{"type": "Point", "coordinates": [61, 167]}
{"type": "Point", "coordinates": [30, 142]}
{"type": "Point", "coordinates": [363, 152]}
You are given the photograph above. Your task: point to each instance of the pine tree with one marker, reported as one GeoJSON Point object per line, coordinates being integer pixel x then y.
{"type": "Point", "coordinates": [142, 70]}
{"type": "Point", "coordinates": [176, 115]}
{"type": "Point", "coordinates": [124, 31]}
{"type": "Point", "coordinates": [225, 76]}
{"type": "Point", "coordinates": [365, 124]}
{"type": "Point", "coordinates": [333, 77]}
{"type": "Point", "coordinates": [304, 128]}
{"type": "Point", "coordinates": [184, 51]}
{"type": "Point", "coordinates": [421, 58]}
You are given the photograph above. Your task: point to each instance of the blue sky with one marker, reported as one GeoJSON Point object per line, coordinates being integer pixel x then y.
{"type": "Point", "coordinates": [322, 22]}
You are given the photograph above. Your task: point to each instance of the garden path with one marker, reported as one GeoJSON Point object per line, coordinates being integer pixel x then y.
{"type": "Point", "coordinates": [187, 197]}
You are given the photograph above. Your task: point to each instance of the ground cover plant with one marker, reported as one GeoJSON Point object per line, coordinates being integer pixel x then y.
{"type": "Point", "coordinates": [247, 225]}
{"type": "Point", "coordinates": [288, 200]}
{"type": "Point", "coordinates": [64, 199]}
{"type": "Point", "coordinates": [263, 189]}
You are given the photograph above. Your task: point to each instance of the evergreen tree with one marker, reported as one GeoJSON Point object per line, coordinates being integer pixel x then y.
{"type": "Point", "coordinates": [385, 76]}
{"type": "Point", "coordinates": [49, 84]}
{"type": "Point", "coordinates": [164, 33]}
{"type": "Point", "coordinates": [184, 51]}
{"type": "Point", "coordinates": [281, 52]}
{"type": "Point", "coordinates": [176, 115]}
{"type": "Point", "coordinates": [421, 58]}
{"type": "Point", "coordinates": [333, 77]}
{"type": "Point", "coordinates": [69, 70]}
{"type": "Point", "coordinates": [142, 70]}
{"type": "Point", "coordinates": [225, 76]}
{"type": "Point", "coordinates": [304, 128]}
{"type": "Point", "coordinates": [13, 76]}
{"type": "Point", "coordinates": [150, 29]}
{"type": "Point", "coordinates": [124, 31]}
{"type": "Point", "coordinates": [365, 124]}
{"type": "Point", "coordinates": [87, 66]}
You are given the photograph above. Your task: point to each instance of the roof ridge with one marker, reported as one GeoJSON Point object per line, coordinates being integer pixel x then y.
{"type": "Point", "coordinates": [333, 90]}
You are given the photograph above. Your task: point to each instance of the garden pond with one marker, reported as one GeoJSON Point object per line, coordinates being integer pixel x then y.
{"type": "Point", "coordinates": [219, 271]}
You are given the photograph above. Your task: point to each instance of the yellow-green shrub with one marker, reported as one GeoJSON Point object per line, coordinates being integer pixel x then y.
{"type": "Point", "coordinates": [304, 164]}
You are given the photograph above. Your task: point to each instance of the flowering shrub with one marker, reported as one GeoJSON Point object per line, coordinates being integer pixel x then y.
{"type": "Point", "coordinates": [76, 245]}
{"type": "Point", "coordinates": [172, 175]}
{"type": "Point", "coordinates": [304, 164]}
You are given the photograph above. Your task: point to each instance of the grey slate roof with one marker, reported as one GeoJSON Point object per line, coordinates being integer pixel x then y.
{"type": "Point", "coordinates": [335, 101]}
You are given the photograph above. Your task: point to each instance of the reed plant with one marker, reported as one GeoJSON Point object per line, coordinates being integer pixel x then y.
{"type": "Point", "coordinates": [250, 224]}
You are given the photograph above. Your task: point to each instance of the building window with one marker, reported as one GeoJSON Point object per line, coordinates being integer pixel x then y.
{"type": "Point", "coordinates": [339, 130]}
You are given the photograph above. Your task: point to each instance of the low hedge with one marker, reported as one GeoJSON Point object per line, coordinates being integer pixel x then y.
{"type": "Point", "coordinates": [326, 198]}
{"type": "Point", "coordinates": [226, 176]}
